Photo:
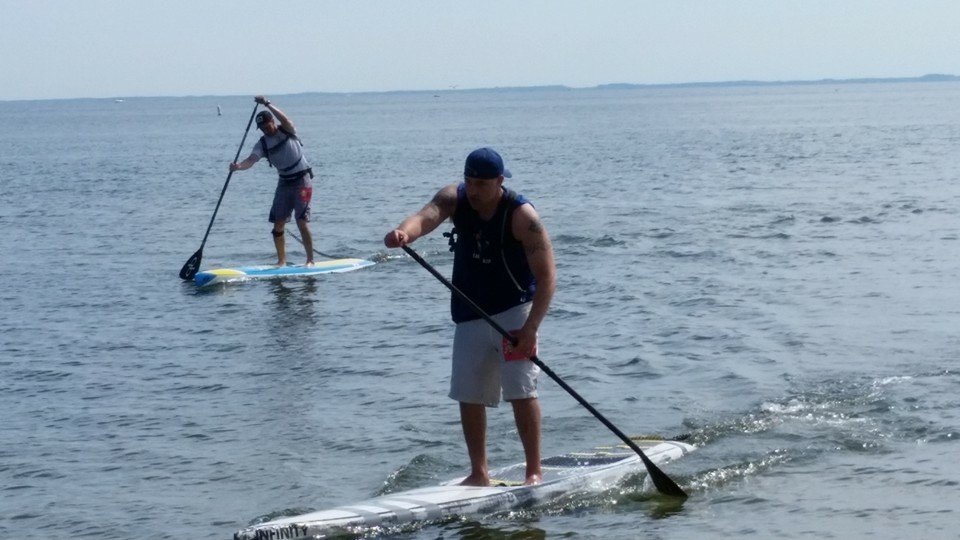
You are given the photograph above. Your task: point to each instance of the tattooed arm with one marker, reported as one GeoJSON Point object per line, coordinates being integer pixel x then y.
{"type": "Point", "coordinates": [529, 230]}
{"type": "Point", "coordinates": [442, 206]}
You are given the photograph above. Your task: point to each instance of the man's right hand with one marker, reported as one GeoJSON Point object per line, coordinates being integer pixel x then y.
{"type": "Point", "coordinates": [395, 238]}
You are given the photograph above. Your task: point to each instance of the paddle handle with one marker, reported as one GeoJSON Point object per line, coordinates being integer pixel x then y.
{"type": "Point", "coordinates": [663, 483]}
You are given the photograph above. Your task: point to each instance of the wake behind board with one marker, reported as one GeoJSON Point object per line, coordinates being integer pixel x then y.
{"type": "Point", "coordinates": [565, 474]}
{"type": "Point", "coordinates": [215, 276]}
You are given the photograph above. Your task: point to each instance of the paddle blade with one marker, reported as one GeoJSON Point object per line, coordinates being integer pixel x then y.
{"type": "Point", "coordinates": [661, 481]}
{"type": "Point", "coordinates": [192, 265]}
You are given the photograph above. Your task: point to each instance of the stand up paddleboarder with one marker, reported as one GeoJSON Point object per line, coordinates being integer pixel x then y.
{"type": "Point", "coordinates": [503, 260]}
{"type": "Point", "coordinates": [284, 151]}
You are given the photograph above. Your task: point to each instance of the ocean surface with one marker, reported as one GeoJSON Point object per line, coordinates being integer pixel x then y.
{"type": "Point", "coordinates": [771, 272]}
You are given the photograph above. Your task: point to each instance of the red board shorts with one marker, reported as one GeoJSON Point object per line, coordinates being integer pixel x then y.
{"type": "Point", "coordinates": [292, 197]}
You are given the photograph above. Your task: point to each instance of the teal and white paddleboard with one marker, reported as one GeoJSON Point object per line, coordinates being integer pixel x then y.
{"type": "Point", "coordinates": [562, 475]}
{"type": "Point", "coordinates": [215, 276]}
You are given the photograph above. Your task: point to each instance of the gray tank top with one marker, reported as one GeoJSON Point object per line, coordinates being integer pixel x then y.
{"type": "Point", "coordinates": [284, 151]}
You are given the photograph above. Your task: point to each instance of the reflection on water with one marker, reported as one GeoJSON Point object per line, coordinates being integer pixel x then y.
{"type": "Point", "coordinates": [293, 312]}
{"type": "Point", "coordinates": [474, 530]}
{"type": "Point", "coordinates": [295, 297]}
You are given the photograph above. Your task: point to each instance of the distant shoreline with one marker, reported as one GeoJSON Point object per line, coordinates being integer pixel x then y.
{"type": "Point", "coordinates": [932, 77]}
{"type": "Point", "coordinates": [929, 78]}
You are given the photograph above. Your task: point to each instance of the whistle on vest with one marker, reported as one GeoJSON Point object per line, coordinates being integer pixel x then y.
{"type": "Point", "coordinates": [452, 238]}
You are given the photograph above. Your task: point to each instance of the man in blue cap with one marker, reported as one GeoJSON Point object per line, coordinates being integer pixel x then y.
{"type": "Point", "coordinates": [503, 261]}
{"type": "Point", "coordinates": [283, 150]}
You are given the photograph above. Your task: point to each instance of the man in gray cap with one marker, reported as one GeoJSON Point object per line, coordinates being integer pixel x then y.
{"type": "Point", "coordinates": [503, 261]}
{"type": "Point", "coordinates": [283, 150]}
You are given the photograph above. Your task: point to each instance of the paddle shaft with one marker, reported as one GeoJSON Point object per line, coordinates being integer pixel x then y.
{"type": "Point", "coordinates": [190, 267]}
{"type": "Point", "coordinates": [662, 482]}
{"type": "Point", "coordinates": [229, 175]}
{"type": "Point", "coordinates": [317, 251]}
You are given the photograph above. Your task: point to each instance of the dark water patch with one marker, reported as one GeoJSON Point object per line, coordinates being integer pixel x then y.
{"type": "Point", "coordinates": [201, 388]}
{"type": "Point", "coordinates": [635, 368]}
{"type": "Point", "coordinates": [566, 240]}
{"type": "Point", "coordinates": [767, 236]}
{"type": "Point", "coordinates": [469, 528]}
{"type": "Point", "coordinates": [634, 363]}
{"type": "Point", "coordinates": [419, 471]}
{"type": "Point", "coordinates": [43, 474]}
{"type": "Point", "coordinates": [693, 255]}
{"type": "Point", "coordinates": [566, 312]}
{"type": "Point", "coordinates": [701, 301]}
{"type": "Point", "coordinates": [41, 375]}
{"type": "Point", "coordinates": [780, 220]}
{"type": "Point", "coordinates": [18, 517]}
{"type": "Point", "coordinates": [607, 241]}
{"type": "Point", "coordinates": [944, 437]}
{"type": "Point", "coordinates": [581, 378]}
{"type": "Point", "coordinates": [659, 234]}
{"type": "Point", "coordinates": [943, 482]}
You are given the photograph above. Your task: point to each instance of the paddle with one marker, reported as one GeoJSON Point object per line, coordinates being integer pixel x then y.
{"type": "Point", "coordinates": [663, 483]}
{"type": "Point", "coordinates": [317, 251]}
{"type": "Point", "coordinates": [193, 263]}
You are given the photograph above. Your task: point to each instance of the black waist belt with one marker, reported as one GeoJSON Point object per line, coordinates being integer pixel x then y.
{"type": "Point", "coordinates": [297, 175]}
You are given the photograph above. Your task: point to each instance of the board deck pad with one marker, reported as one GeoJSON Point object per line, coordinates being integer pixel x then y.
{"type": "Point", "coordinates": [565, 474]}
{"type": "Point", "coordinates": [217, 276]}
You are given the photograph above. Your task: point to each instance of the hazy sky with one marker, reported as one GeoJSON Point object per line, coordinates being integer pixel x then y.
{"type": "Point", "coordinates": [113, 48]}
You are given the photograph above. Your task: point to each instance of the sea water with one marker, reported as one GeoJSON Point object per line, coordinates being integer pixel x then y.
{"type": "Point", "coordinates": [771, 272]}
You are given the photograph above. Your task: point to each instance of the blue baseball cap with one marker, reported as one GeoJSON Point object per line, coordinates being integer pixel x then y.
{"type": "Point", "coordinates": [485, 163]}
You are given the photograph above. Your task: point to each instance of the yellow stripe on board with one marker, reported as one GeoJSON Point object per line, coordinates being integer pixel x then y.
{"type": "Point", "coordinates": [225, 272]}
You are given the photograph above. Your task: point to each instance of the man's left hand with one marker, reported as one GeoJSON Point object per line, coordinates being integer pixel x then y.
{"type": "Point", "coordinates": [526, 345]}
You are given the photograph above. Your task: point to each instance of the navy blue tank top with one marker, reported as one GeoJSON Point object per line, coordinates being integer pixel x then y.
{"type": "Point", "coordinates": [489, 264]}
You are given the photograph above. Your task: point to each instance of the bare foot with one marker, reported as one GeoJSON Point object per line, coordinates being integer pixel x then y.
{"type": "Point", "coordinates": [533, 479]}
{"type": "Point", "coordinates": [309, 263]}
{"type": "Point", "coordinates": [281, 263]}
{"type": "Point", "coordinates": [476, 480]}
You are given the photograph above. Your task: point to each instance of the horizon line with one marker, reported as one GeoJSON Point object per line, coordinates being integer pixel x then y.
{"type": "Point", "coordinates": [930, 77]}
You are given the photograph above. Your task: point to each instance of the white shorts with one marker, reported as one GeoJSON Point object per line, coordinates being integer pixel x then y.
{"type": "Point", "coordinates": [480, 374]}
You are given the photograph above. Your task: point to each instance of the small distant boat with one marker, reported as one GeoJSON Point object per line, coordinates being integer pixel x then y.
{"type": "Point", "coordinates": [118, 100]}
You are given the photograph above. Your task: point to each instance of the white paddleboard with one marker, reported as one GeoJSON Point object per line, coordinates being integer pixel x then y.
{"type": "Point", "coordinates": [216, 276]}
{"type": "Point", "coordinates": [561, 475]}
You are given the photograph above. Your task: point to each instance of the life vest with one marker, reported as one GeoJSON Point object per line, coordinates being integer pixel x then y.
{"type": "Point", "coordinates": [490, 265]}
{"type": "Point", "coordinates": [284, 172]}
